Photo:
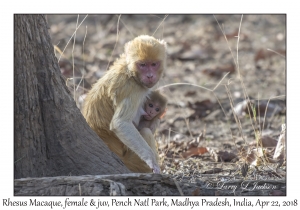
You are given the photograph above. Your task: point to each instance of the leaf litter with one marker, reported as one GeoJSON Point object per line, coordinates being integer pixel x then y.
{"type": "Point", "coordinates": [199, 136]}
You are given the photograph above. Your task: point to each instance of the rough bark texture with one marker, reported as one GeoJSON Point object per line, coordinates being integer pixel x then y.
{"type": "Point", "coordinates": [136, 184]}
{"type": "Point", "coordinates": [51, 137]}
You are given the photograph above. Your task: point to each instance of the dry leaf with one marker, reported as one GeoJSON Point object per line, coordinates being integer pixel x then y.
{"type": "Point", "coordinates": [280, 172]}
{"type": "Point", "coordinates": [193, 54]}
{"type": "Point", "coordinates": [253, 154]}
{"type": "Point", "coordinates": [65, 68]}
{"type": "Point", "coordinates": [219, 71]}
{"type": "Point", "coordinates": [194, 151]}
{"type": "Point", "coordinates": [280, 148]}
{"type": "Point", "coordinates": [190, 93]}
{"type": "Point", "coordinates": [263, 54]}
{"type": "Point", "coordinates": [201, 108]}
{"type": "Point", "coordinates": [196, 192]}
{"type": "Point", "coordinates": [252, 108]}
{"type": "Point", "coordinates": [213, 171]}
{"type": "Point", "coordinates": [265, 141]}
{"type": "Point", "coordinates": [223, 156]}
{"type": "Point", "coordinates": [244, 169]}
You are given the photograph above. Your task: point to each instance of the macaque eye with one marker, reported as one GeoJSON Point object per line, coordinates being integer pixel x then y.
{"type": "Point", "coordinates": [157, 109]}
{"type": "Point", "coordinates": [142, 64]}
{"type": "Point", "coordinates": [151, 105]}
{"type": "Point", "coordinates": [153, 64]}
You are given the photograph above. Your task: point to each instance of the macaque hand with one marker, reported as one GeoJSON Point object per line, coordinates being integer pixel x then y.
{"type": "Point", "coordinates": [153, 165]}
{"type": "Point", "coordinates": [153, 127]}
{"type": "Point", "coordinates": [156, 170]}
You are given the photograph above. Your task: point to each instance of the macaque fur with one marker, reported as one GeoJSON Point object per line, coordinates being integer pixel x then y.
{"type": "Point", "coordinates": [113, 103]}
{"type": "Point", "coordinates": [155, 107]}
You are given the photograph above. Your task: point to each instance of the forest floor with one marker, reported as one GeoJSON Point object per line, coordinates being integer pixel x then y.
{"type": "Point", "coordinates": [200, 136]}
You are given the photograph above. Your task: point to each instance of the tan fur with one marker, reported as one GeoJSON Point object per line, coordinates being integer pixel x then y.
{"type": "Point", "coordinates": [161, 99]}
{"type": "Point", "coordinates": [147, 129]}
{"type": "Point", "coordinates": [131, 159]}
{"type": "Point", "coordinates": [112, 103]}
{"type": "Point", "coordinates": [156, 97]}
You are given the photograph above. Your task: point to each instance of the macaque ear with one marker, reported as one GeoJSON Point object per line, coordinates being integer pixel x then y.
{"type": "Point", "coordinates": [126, 47]}
{"type": "Point", "coordinates": [127, 51]}
{"type": "Point", "coordinates": [163, 43]}
{"type": "Point", "coordinates": [163, 114]}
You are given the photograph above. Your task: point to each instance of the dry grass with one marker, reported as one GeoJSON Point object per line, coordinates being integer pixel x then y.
{"type": "Point", "coordinates": [254, 117]}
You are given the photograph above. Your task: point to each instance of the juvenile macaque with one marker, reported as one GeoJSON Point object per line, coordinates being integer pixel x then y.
{"type": "Point", "coordinates": [154, 109]}
{"type": "Point", "coordinates": [113, 103]}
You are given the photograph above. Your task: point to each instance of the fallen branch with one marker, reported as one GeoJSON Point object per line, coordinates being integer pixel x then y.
{"type": "Point", "coordinates": [142, 184]}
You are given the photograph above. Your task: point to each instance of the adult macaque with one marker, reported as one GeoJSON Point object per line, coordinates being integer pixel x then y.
{"type": "Point", "coordinates": [113, 103]}
{"type": "Point", "coordinates": [155, 108]}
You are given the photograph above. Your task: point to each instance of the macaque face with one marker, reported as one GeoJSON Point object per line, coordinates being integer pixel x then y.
{"type": "Point", "coordinates": [149, 73]}
{"type": "Point", "coordinates": [152, 109]}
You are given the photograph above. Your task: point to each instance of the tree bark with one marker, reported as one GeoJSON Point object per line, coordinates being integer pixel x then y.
{"type": "Point", "coordinates": [143, 184]}
{"type": "Point", "coordinates": [51, 137]}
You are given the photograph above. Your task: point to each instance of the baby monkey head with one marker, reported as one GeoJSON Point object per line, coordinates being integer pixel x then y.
{"type": "Point", "coordinates": [155, 106]}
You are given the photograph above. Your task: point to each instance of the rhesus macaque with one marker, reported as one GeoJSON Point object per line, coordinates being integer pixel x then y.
{"type": "Point", "coordinates": [155, 108]}
{"type": "Point", "coordinates": [113, 103]}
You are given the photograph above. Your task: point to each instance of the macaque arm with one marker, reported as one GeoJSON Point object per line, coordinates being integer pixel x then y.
{"type": "Point", "coordinates": [135, 125]}
{"type": "Point", "coordinates": [154, 125]}
{"type": "Point", "coordinates": [140, 112]}
{"type": "Point", "coordinates": [123, 127]}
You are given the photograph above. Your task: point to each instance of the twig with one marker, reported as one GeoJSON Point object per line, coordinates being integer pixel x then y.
{"type": "Point", "coordinates": [79, 187]}
{"type": "Point", "coordinates": [276, 53]}
{"type": "Point", "coordinates": [178, 187]}
{"type": "Point", "coordinates": [117, 39]}
{"type": "Point", "coordinates": [160, 24]}
{"type": "Point", "coordinates": [220, 81]}
{"type": "Point", "coordinates": [83, 63]}
{"type": "Point", "coordinates": [267, 108]}
{"type": "Point", "coordinates": [173, 84]}
{"type": "Point", "coordinates": [71, 38]}
{"type": "Point", "coordinates": [133, 35]}
{"type": "Point", "coordinates": [73, 59]}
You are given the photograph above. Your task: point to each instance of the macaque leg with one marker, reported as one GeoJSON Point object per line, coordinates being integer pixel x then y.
{"type": "Point", "coordinates": [133, 161]}
{"type": "Point", "coordinates": [148, 136]}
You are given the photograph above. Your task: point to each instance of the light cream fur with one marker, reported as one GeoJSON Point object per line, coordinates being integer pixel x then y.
{"type": "Point", "coordinates": [114, 100]}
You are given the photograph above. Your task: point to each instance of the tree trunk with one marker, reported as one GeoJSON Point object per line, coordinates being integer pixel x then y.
{"type": "Point", "coordinates": [51, 137]}
{"type": "Point", "coordinates": [143, 184]}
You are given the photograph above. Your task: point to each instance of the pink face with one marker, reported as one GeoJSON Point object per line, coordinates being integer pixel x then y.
{"type": "Point", "coordinates": [152, 109]}
{"type": "Point", "coordinates": [149, 72]}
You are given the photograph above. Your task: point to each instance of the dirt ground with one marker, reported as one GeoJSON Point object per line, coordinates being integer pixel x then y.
{"type": "Point", "coordinates": [200, 135]}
